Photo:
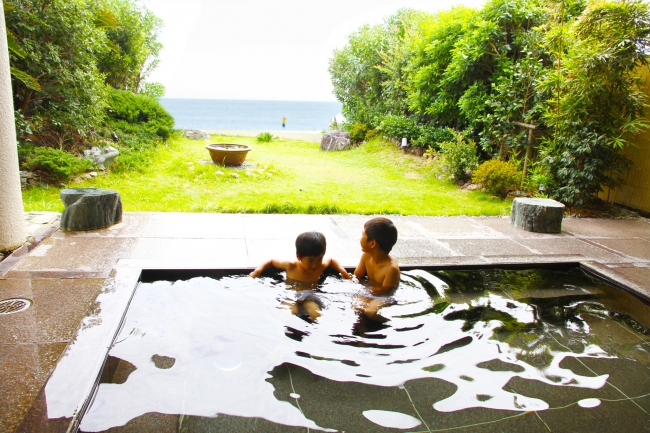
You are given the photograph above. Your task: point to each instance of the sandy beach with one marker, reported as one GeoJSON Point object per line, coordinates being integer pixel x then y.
{"type": "Point", "coordinates": [314, 137]}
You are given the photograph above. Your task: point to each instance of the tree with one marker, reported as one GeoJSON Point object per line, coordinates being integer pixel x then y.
{"type": "Point", "coordinates": [596, 103]}
{"type": "Point", "coordinates": [134, 45]}
{"type": "Point", "coordinates": [60, 42]}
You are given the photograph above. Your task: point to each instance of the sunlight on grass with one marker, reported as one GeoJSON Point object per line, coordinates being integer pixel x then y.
{"type": "Point", "coordinates": [284, 176]}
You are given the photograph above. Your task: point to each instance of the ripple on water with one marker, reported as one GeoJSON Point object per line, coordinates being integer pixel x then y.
{"type": "Point", "coordinates": [226, 335]}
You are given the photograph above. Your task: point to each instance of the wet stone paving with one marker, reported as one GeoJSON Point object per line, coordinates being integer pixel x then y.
{"type": "Point", "coordinates": [490, 345]}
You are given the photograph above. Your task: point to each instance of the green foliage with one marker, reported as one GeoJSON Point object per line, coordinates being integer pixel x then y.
{"type": "Point", "coordinates": [457, 159]}
{"type": "Point", "coordinates": [357, 132]}
{"type": "Point", "coordinates": [155, 90]}
{"type": "Point", "coordinates": [371, 133]}
{"type": "Point", "coordinates": [398, 127]}
{"type": "Point", "coordinates": [568, 68]}
{"type": "Point", "coordinates": [265, 137]}
{"type": "Point", "coordinates": [360, 74]}
{"type": "Point", "coordinates": [137, 152]}
{"type": "Point", "coordinates": [596, 103]}
{"type": "Point", "coordinates": [134, 46]}
{"type": "Point", "coordinates": [60, 43]}
{"type": "Point", "coordinates": [137, 114]}
{"type": "Point", "coordinates": [58, 165]}
{"type": "Point", "coordinates": [63, 53]}
{"type": "Point", "coordinates": [497, 176]}
{"type": "Point", "coordinates": [431, 137]}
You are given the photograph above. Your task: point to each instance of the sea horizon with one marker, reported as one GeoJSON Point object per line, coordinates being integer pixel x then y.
{"type": "Point", "coordinates": [251, 115]}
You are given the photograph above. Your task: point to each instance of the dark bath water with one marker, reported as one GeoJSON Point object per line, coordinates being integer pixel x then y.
{"type": "Point", "coordinates": [489, 350]}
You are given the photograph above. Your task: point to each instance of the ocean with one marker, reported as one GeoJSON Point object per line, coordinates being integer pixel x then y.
{"type": "Point", "coordinates": [250, 115]}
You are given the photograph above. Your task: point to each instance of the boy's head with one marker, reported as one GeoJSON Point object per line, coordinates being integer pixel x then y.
{"type": "Point", "coordinates": [310, 244]}
{"type": "Point", "coordinates": [382, 231]}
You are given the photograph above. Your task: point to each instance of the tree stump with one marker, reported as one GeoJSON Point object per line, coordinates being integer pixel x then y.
{"type": "Point", "coordinates": [90, 208]}
{"type": "Point", "coordinates": [540, 215]}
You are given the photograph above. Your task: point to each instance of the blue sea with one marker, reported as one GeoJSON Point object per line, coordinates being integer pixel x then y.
{"type": "Point", "coordinates": [250, 115]}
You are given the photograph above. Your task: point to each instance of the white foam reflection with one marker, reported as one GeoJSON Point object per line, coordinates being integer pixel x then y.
{"type": "Point", "coordinates": [226, 335]}
{"type": "Point", "coordinates": [391, 419]}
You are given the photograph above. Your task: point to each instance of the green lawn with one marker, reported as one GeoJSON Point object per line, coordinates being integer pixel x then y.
{"type": "Point", "coordinates": [284, 176]}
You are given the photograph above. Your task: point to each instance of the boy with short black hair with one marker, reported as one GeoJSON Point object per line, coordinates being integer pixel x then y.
{"type": "Point", "coordinates": [377, 240]}
{"type": "Point", "coordinates": [310, 252]}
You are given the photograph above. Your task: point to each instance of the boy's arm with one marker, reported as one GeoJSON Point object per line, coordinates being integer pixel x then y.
{"type": "Point", "coordinates": [338, 268]}
{"type": "Point", "coordinates": [267, 265]}
{"type": "Point", "coordinates": [360, 271]}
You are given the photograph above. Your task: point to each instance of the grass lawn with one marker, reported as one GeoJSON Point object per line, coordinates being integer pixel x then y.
{"type": "Point", "coordinates": [284, 176]}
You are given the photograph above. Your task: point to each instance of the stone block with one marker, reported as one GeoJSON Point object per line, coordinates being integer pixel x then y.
{"type": "Point", "coordinates": [90, 208]}
{"type": "Point", "coordinates": [336, 140]}
{"type": "Point", "coordinates": [540, 215]}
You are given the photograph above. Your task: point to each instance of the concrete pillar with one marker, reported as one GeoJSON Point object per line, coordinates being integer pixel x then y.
{"type": "Point", "coordinates": [12, 222]}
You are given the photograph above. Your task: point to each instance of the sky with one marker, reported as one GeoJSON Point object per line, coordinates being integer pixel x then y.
{"type": "Point", "coordinates": [262, 49]}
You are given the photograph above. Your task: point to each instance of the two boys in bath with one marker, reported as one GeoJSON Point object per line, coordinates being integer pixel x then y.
{"type": "Point", "coordinates": [382, 272]}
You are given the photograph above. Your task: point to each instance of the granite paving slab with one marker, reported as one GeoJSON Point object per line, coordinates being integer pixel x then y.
{"type": "Point", "coordinates": [504, 228]}
{"type": "Point", "coordinates": [23, 370]}
{"type": "Point", "coordinates": [194, 226]}
{"type": "Point", "coordinates": [602, 228]}
{"type": "Point", "coordinates": [77, 254]}
{"type": "Point", "coordinates": [419, 248]}
{"type": "Point", "coordinates": [569, 245]}
{"type": "Point", "coordinates": [487, 247]}
{"type": "Point", "coordinates": [132, 225]}
{"type": "Point", "coordinates": [453, 227]}
{"type": "Point", "coordinates": [184, 250]}
{"type": "Point", "coordinates": [637, 248]}
{"type": "Point", "coordinates": [285, 226]}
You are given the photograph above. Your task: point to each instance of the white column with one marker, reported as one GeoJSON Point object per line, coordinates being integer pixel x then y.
{"type": "Point", "coordinates": [12, 222]}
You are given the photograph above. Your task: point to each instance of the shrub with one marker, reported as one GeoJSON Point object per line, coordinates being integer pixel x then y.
{"type": "Point", "coordinates": [398, 127]}
{"type": "Point", "coordinates": [497, 176]}
{"type": "Point", "coordinates": [135, 113]}
{"type": "Point", "coordinates": [457, 158]}
{"type": "Point", "coordinates": [431, 137]}
{"type": "Point", "coordinates": [357, 132]}
{"type": "Point", "coordinates": [265, 137]}
{"type": "Point", "coordinates": [372, 133]}
{"type": "Point", "coordinates": [57, 164]}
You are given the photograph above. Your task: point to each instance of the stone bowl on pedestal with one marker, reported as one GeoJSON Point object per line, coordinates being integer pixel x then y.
{"type": "Point", "coordinates": [228, 154]}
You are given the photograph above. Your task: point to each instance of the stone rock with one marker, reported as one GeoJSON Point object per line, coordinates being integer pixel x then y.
{"type": "Point", "coordinates": [90, 208]}
{"type": "Point", "coordinates": [102, 157]}
{"type": "Point", "coordinates": [336, 140]}
{"type": "Point", "coordinates": [196, 134]}
{"type": "Point", "coordinates": [472, 187]}
{"type": "Point", "coordinates": [540, 215]}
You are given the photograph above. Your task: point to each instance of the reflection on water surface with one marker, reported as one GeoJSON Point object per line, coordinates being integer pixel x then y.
{"type": "Point", "coordinates": [490, 344]}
